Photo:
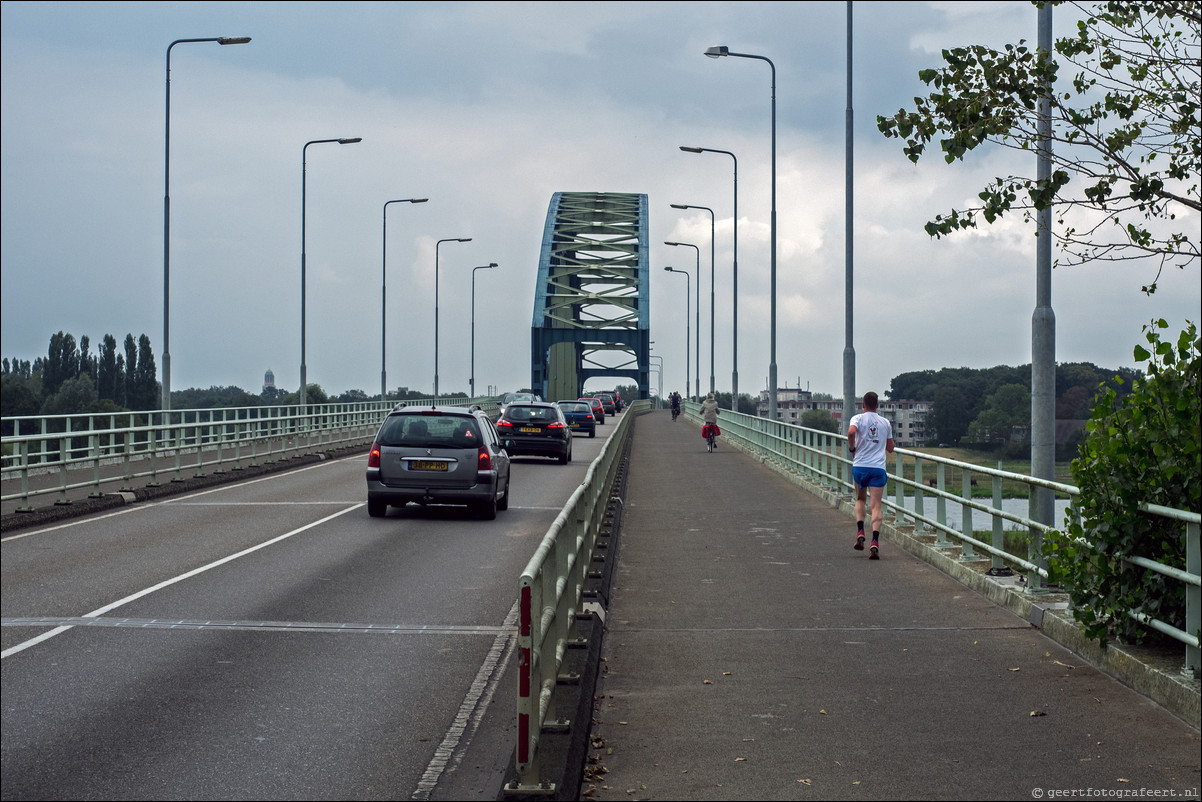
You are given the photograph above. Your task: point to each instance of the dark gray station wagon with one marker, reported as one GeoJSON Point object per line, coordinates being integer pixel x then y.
{"type": "Point", "coordinates": [437, 455]}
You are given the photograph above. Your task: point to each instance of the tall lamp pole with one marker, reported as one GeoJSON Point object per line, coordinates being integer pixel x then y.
{"type": "Point", "coordinates": [383, 291]}
{"type": "Point", "coordinates": [711, 211]}
{"type": "Point", "coordinates": [687, 291]}
{"type": "Point", "coordinates": [304, 378]}
{"type": "Point", "coordinates": [697, 358]}
{"type": "Point", "coordinates": [718, 52]}
{"type": "Point", "coordinates": [849, 350]}
{"type": "Point", "coordinates": [221, 40]}
{"type": "Point", "coordinates": [472, 380]}
{"type": "Point", "coordinates": [436, 246]}
{"type": "Point", "coordinates": [734, 376]}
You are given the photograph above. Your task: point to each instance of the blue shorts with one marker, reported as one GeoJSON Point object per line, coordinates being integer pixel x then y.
{"type": "Point", "coordinates": [869, 477]}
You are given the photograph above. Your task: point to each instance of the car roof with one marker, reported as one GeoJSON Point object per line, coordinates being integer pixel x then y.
{"type": "Point", "coordinates": [401, 409]}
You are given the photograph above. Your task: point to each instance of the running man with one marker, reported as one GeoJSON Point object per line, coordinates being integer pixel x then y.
{"type": "Point", "coordinates": [869, 439]}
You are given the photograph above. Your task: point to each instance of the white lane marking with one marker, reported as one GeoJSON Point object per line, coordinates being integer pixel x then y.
{"type": "Point", "coordinates": [471, 710]}
{"type": "Point", "coordinates": [153, 504]}
{"type": "Point", "coordinates": [20, 647]}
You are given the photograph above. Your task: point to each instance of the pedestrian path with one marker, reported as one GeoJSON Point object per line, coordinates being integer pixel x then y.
{"type": "Point", "coordinates": [751, 653]}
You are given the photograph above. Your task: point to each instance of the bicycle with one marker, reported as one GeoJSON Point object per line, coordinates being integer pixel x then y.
{"type": "Point", "coordinates": [675, 413]}
{"type": "Point", "coordinates": [711, 439]}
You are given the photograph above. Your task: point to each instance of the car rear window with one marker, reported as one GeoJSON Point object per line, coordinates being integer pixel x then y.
{"type": "Point", "coordinates": [574, 406]}
{"type": "Point", "coordinates": [430, 431]}
{"type": "Point", "coordinates": [520, 413]}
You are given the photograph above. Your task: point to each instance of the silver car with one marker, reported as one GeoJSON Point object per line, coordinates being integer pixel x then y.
{"type": "Point", "coordinates": [437, 455]}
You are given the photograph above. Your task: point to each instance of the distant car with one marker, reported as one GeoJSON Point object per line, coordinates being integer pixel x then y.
{"type": "Point", "coordinates": [537, 429]}
{"type": "Point", "coordinates": [598, 407]}
{"type": "Point", "coordinates": [618, 402]}
{"type": "Point", "coordinates": [510, 398]}
{"type": "Point", "coordinates": [579, 415]}
{"type": "Point", "coordinates": [607, 403]}
{"type": "Point", "coordinates": [437, 455]}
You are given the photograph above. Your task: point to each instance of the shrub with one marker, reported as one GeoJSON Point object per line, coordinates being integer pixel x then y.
{"type": "Point", "coordinates": [1146, 447]}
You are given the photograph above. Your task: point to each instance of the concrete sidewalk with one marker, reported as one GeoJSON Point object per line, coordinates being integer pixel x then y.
{"type": "Point", "coordinates": [751, 653]}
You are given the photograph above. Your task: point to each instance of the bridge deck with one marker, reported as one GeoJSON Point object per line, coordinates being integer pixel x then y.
{"type": "Point", "coordinates": [751, 653]}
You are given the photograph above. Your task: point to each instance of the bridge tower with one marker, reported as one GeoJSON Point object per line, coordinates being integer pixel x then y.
{"type": "Point", "coordinates": [591, 309]}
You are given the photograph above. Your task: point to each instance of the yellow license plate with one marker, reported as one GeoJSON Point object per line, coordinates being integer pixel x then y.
{"type": "Point", "coordinates": [530, 430]}
{"type": "Point", "coordinates": [428, 465]}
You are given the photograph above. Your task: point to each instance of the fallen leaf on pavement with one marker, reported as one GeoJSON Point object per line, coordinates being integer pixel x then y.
{"type": "Point", "coordinates": [1038, 713]}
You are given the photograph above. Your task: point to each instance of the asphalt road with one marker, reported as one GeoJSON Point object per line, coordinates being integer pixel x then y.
{"type": "Point", "coordinates": [269, 640]}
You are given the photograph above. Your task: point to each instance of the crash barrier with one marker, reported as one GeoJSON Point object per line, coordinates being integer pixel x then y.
{"type": "Point", "coordinates": [550, 590]}
{"type": "Point", "coordinates": [111, 451]}
{"type": "Point", "coordinates": [820, 458]}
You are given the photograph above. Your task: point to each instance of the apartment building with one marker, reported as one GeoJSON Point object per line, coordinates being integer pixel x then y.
{"type": "Point", "coordinates": [908, 417]}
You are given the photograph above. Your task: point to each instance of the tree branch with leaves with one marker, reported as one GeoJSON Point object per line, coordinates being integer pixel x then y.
{"type": "Point", "coordinates": [1126, 141]}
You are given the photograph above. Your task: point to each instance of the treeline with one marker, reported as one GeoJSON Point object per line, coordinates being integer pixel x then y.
{"type": "Point", "coordinates": [992, 406]}
{"type": "Point", "coordinates": [71, 379]}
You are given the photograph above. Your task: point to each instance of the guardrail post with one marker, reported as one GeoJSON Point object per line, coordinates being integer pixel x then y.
{"type": "Point", "coordinates": [1193, 598]}
{"type": "Point", "coordinates": [941, 541]}
{"type": "Point", "coordinates": [94, 448]}
{"type": "Point", "coordinates": [998, 539]}
{"type": "Point", "coordinates": [919, 509]}
{"type": "Point", "coordinates": [966, 514]}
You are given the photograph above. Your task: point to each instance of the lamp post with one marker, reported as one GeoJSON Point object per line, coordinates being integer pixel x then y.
{"type": "Point", "coordinates": [698, 313]}
{"type": "Point", "coordinates": [711, 211]}
{"type": "Point", "coordinates": [436, 246]}
{"type": "Point", "coordinates": [660, 369]}
{"type": "Point", "coordinates": [687, 290]}
{"type": "Point", "coordinates": [383, 291]}
{"type": "Point", "coordinates": [221, 40]}
{"type": "Point", "coordinates": [734, 375]}
{"type": "Point", "coordinates": [472, 380]}
{"type": "Point", "coordinates": [718, 52]}
{"type": "Point", "coordinates": [304, 388]}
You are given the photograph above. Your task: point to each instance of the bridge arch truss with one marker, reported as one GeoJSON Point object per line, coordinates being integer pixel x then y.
{"type": "Point", "coordinates": [591, 305]}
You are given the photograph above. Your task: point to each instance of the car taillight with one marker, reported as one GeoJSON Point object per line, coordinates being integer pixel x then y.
{"type": "Point", "coordinates": [504, 424]}
{"type": "Point", "coordinates": [484, 461]}
{"type": "Point", "coordinates": [373, 456]}
{"type": "Point", "coordinates": [555, 425]}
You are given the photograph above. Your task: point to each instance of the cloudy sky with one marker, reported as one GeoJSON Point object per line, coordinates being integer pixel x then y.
{"type": "Point", "coordinates": [487, 109]}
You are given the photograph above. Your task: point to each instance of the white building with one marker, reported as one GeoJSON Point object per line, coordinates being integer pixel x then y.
{"type": "Point", "coordinates": [907, 417]}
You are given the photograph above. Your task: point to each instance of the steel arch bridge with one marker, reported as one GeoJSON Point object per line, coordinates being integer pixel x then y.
{"type": "Point", "coordinates": [591, 309]}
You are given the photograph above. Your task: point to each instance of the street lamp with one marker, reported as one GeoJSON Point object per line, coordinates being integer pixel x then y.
{"type": "Point", "coordinates": [698, 313]}
{"type": "Point", "coordinates": [711, 211]}
{"type": "Point", "coordinates": [684, 273]}
{"type": "Point", "coordinates": [304, 388]}
{"type": "Point", "coordinates": [660, 369]}
{"type": "Point", "coordinates": [383, 291]}
{"type": "Point", "coordinates": [718, 52]}
{"type": "Point", "coordinates": [436, 246]}
{"type": "Point", "coordinates": [221, 40]}
{"type": "Point", "coordinates": [734, 376]}
{"type": "Point", "coordinates": [472, 380]}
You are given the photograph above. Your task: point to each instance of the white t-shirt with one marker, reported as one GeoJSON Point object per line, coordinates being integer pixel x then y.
{"type": "Point", "coordinates": [872, 431]}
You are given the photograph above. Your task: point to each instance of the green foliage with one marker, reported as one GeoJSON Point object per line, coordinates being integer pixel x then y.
{"type": "Point", "coordinates": [1125, 129]}
{"type": "Point", "coordinates": [819, 419]}
{"type": "Point", "coordinates": [1144, 448]}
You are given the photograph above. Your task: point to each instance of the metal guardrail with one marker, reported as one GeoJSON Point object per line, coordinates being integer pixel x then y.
{"type": "Point", "coordinates": [113, 450]}
{"type": "Point", "coordinates": [549, 599]}
{"type": "Point", "coordinates": [819, 457]}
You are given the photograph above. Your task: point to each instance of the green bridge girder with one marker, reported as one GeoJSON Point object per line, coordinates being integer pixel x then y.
{"type": "Point", "coordinates": [591, 303]}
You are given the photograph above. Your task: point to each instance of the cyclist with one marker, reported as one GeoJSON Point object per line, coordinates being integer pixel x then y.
{"type": "Point", "coordinates": [709, 414]}
{"type": "Point", "coordinates": [675, 397]}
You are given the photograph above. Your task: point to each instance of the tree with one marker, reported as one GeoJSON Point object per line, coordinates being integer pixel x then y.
{"type": "Point", "coordinates": [146, 377]}
{"type": "Point", "coordinates": [108, 379]}
{"type": "Point", "coordinates": [130, 373]}
{"type": "Point", "coordinates": [1125, 131]}
{"type": "Point", "coordinates": [1144, 448]}
{"type": "Point", "coordinates": [819, 419]}
{"type": "Point", "coordinates": [1006, 408]}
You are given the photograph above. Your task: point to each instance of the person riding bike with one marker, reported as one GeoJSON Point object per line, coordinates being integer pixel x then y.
{"type": "Point", "coordinates": [675, 397]}
{"type": "Point", "coordinates": [709, 414]}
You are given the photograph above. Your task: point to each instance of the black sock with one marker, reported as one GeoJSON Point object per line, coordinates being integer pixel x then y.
{"type": "Point", "coordinates": [860, 526]}
{"type": "Point", "coordinates": [874, 536]}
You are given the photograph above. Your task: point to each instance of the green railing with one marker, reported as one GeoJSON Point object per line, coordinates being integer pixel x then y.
{"type": "Point", "coordinates": [64, 455]}
{"type": "Point", "coordinates": [550, 590]}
